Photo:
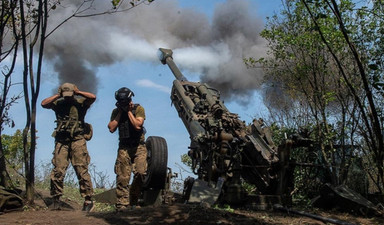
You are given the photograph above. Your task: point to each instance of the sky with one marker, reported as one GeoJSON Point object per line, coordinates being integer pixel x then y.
{"type": "Point", "coordinates": [209, 39]}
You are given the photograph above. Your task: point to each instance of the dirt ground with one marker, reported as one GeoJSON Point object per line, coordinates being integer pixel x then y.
{"type": "Point", "coordinates": [185, 214]}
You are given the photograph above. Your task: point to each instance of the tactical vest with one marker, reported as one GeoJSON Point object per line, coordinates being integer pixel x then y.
{"type": "Point", "coordinates": [128, 135]}
{"type": "Point", "coordinates": [69, 118]}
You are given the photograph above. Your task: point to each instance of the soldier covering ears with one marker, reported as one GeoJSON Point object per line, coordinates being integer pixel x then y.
{"type": "Point", "coordinates": [70, 106]}
{"type": "Point", "coordinates": [128, 118]}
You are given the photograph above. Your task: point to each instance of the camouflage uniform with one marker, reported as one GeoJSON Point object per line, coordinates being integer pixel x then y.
{"type": "Point", "coordinates": [70, 144]}
{"type": "Point", "coordinates": [131, 157]}
{"type": "Point", "coordinates": [76, 151]}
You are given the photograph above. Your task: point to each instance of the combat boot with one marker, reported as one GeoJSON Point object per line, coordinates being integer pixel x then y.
{"type": "Point", "coordinates": [121, 208]}
{"type": "Point", "coordinates": [56, 203]}
{"type": "Point", "coordinates": [135, 207]}
{"type": "Point", "coordinates": [88, 206]}
{"type": "Point", "coordinates": [134, 200]}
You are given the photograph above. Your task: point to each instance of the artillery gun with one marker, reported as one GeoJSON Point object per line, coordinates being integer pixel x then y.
{"type": "Point", "coordinates": [223, 149]}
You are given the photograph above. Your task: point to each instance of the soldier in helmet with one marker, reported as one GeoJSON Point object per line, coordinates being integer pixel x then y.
{"type": "Point", "coordinates": [70, 106]}
{"type": "Point", "coordinates": [128, 118]}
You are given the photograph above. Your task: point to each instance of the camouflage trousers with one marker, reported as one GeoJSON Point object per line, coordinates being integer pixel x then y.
{"type": "Point", "coordinates": [130, 159]}
{"type": "Point", "coordinates": [75, 152]}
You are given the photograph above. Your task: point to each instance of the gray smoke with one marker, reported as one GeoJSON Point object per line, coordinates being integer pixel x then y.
{"type": "Point", "coordinates": [214, 47]}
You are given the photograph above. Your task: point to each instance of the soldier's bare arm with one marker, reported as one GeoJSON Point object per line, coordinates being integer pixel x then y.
{"type": "Point", "coordinates": [47, 103]}
{"type": "Point", "coordinates": [137, 122]}
{"type": "Point", "coordinates": [112, 125]}
{"type": "Point", "coordinates": [90, 98]}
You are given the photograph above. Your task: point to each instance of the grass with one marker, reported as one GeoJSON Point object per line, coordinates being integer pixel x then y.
{"type": "Point", "coordinates": [73, 194]}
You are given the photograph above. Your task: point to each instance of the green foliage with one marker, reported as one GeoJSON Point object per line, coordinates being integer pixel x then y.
{"type": "Point", "coordinates": [224, 207]}
{"type": "Point", "coordinates": [312, 84]}
{"type": "Point", "coordinates": [115, 3]}
{"type": "Point", "coordinates": [280, 133]}
{"type": "Point", "coordinates": [42, 175]}
{"type": "Point", "coordinates": [186, 160]}
{"type": "Point", "coordinates": [72, 194]}
{"type": "Point", "coordinates": [13, 152]}
{"type": "Point", "coordinates": [249, 188]}
{"type": "Point", "coordinates": [307, 180]}
{"type": "Point", "coordinates": [13, 148]}
{"type": "Point", "coordinates": [369, 38]}
{"type": "Point", "coordinates": [302, 201]}
{"type": "Point", "coordinates": [104, 207]}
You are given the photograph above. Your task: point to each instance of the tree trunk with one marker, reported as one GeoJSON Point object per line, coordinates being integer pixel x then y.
{"type": "Point", "coordinates": [4, 177]}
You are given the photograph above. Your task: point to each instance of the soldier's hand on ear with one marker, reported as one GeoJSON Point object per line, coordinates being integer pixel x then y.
{"type": "Point", "coordinates": [130, 106]}
{"type": "Point", "coordinates": [125, 108]}
{"type": "Point", "coordinates": [122, 107]}
{"type": "Point", "coordinates": [75, 89]}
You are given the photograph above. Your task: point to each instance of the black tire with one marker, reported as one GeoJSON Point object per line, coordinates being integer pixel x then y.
{"type": "Point", "coordinates": [152, 197]}
{"type": "Point", "coordinates": [157, 160]}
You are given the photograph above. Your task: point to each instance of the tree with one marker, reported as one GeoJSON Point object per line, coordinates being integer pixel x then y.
{"type": "Point", "coordinates": [368, 50]}
{"type": "Point", "coordinates": [301, 83]}
{"type": "Point", "coordinates": [8, 52]}
{"type": "Point", "coordinates": [368, 64]}
{"type": "Point", "coordinates": [326, 71]}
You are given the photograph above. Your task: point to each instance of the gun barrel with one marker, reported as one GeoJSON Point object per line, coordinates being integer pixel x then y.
{"type": "Point", "coordinates": [165, 56]}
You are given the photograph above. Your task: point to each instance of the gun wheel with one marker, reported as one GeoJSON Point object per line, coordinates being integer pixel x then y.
{"type": "Point", "coordinates": [157, 159]}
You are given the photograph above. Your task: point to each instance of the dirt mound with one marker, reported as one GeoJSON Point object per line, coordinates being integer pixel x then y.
{"type": "Point", "coordinates": [185, 214]}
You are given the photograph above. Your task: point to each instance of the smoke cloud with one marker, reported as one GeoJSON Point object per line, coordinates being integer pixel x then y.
{"type": "Point", "coordinates": [212, 47]}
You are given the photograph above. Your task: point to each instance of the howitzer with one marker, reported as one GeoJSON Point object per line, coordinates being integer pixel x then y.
{"type": "Point", "coordinates": [222, 146]}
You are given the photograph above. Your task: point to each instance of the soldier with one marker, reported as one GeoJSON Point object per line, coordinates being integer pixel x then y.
{"type": "Point", "coordinates": [132, 153]}
{"type": "Point", "coordinates": [70, 106]}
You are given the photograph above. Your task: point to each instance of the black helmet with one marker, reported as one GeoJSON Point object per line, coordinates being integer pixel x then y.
{"type": "Point", "coordinates": [124, 94]}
